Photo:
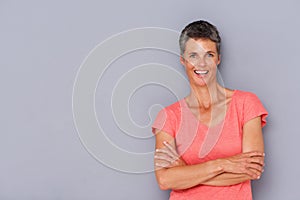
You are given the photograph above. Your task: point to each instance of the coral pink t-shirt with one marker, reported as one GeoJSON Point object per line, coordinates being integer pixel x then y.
{"type": "Point", "coordinates": [198, 143]}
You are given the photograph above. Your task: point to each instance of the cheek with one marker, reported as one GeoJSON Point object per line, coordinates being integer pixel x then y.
{"type": "Point", "coordinates": [188, 65]}
{"type": "Point", "coordinates": [214, 64]}
{"type": "Point", "coordinates": [189, 68]}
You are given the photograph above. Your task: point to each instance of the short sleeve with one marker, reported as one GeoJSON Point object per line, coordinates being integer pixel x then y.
{"type": "Point", "coordinates": [254, 108]}
{"type": "Point", "coordinates": [165, 121]}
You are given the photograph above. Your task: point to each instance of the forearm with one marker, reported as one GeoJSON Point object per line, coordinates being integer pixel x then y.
{"type": "Point", "coordinates": [183, 177]}
{"type": "Point", "coordinates": [232, 178]}
{"type": "Point", "coordinates": [220, 172]}
{"type": "Point", "coordinates": [226, 179]}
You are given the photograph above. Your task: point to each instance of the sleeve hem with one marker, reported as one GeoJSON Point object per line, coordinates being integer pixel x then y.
{"type": "Point", "coordinates": [157, 129]}
{"type": "Point", "coordinates": [263, 116]}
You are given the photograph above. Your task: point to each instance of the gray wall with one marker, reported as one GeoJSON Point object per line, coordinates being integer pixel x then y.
{"type": "Point", "coordinates": [43, 44]}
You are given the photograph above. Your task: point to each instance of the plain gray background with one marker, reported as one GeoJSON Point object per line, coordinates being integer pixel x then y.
{"type": "Point", "coordinates": [42, 45]}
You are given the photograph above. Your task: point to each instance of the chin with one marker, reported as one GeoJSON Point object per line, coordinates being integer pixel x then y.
{"type": "Point", "coordinates": [199, 83]}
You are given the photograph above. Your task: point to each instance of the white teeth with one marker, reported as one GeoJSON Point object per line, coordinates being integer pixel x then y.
{"type": "Point", "coordinates": [202, 72]}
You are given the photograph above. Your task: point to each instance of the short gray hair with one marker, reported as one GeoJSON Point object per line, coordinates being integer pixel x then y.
{"type": "Point", "coordinates": [199, 29]}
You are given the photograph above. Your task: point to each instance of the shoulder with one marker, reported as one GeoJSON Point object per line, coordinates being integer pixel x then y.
{"type": "Point", "coordinates": [168, 118]}
{"type": "Point", "coordinates": [249, 106]}
{"type": "Point", "coordinates": [248, 101]}
{"type": "Point", "coordinates": [244, 96]}
{"type": "Point", "coordinates": [172, 111]}
{"type": "Point", "coordinates": [174, 107]}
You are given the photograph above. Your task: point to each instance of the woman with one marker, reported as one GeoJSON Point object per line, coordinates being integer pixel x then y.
{"type": "Point", "coordinates": [209, 145]}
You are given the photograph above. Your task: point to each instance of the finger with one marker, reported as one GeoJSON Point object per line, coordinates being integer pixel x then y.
{"type": "Point", "coordinates": [257, 160]}
{"type": "Point", "coordinates": [256, 167]}
{"type": "Point", "coordinates": [257, 174]}
{"type": "Point", "coordinates": [253, 173]}
{"type": "Point", "coordinates": [162, 164]}
{"type": "Point", "coordinates": [167, 151]}
{"type": "Point", "coordinates": [254, 153]}
{"type": "Point", "coordinates": [162, 151]}
{"type": "Point", "coordinates": [162, 157]}
{"type": "Point", "coordinates": [171, 148]}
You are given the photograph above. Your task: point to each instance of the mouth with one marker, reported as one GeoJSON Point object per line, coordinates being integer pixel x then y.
{"type": "Point", "coordinates": [201, 72]}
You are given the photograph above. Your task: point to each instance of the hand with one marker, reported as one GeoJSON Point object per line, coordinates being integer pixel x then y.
{"type": "Point", "coordinates": [167, 157]}
{"type": "Point", "coordinates": [250, 163]}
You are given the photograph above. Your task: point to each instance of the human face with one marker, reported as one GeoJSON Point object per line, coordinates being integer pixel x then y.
{"type": "Point", "coordinates": [200, 60]}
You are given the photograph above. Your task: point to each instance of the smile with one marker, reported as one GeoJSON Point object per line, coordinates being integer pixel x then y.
{"type": "Point", "coordinates": [201, 72]}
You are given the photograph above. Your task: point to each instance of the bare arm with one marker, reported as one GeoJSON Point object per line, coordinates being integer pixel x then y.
{"type": "Point", "coordinates": [252, 141]}
{"type": "Point", "coordinates": [180, 176]}
{"type": "Point", "coordinates": [218, 172]}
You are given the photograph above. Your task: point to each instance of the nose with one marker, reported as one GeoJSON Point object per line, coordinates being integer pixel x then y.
{"type": "Point", "coordinates": [201, 62]}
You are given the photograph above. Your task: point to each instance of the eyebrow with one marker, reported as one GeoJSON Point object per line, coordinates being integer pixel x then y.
{"type": "Point", "coordinates": [193, 52]}
{"type": "Point", "coordinates": [211, 52]}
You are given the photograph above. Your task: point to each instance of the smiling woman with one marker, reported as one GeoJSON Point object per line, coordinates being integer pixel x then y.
{"type": "Point", "coordinates": [201, 59]}
{"type": "Point", "coordinates": [209, 145]}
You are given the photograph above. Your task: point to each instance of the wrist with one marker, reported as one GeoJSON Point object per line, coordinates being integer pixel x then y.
{"type": "Point", "coordinates": [218, 166]}
{"type": "Point", "coordinates": [221, 164]}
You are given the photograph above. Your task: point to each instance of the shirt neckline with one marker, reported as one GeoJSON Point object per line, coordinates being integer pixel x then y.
{"type": "Point", "coordinates": [217, 124]}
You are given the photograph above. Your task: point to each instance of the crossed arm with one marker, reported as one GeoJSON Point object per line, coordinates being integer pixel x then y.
{"type": "Point", "coordinates": [172, 172]}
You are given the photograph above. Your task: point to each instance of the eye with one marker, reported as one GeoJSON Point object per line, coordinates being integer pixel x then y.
{"type": "Point", "coordinates": [210, 55]}
{"type": "Point", "coordinates": [192, 55]}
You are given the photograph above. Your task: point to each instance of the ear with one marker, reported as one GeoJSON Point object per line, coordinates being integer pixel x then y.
{"type": "Point", "coordinates": [219, 59]}
{"type": "Point", "coordinates": [182, 60]}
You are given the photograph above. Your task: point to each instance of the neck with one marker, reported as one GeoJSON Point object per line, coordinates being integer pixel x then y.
{"type": "Point", "coordinates": [206, 96]}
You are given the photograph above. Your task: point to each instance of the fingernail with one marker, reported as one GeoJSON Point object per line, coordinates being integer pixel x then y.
{"type": "Point", "coordinates": [156, 150]}
{"type": "Point", "coordinates": [164, 142]}
{"type": "Point", "coordinates": [264, 154]}
{"type": "Point", "coordinates": [258, 177]}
